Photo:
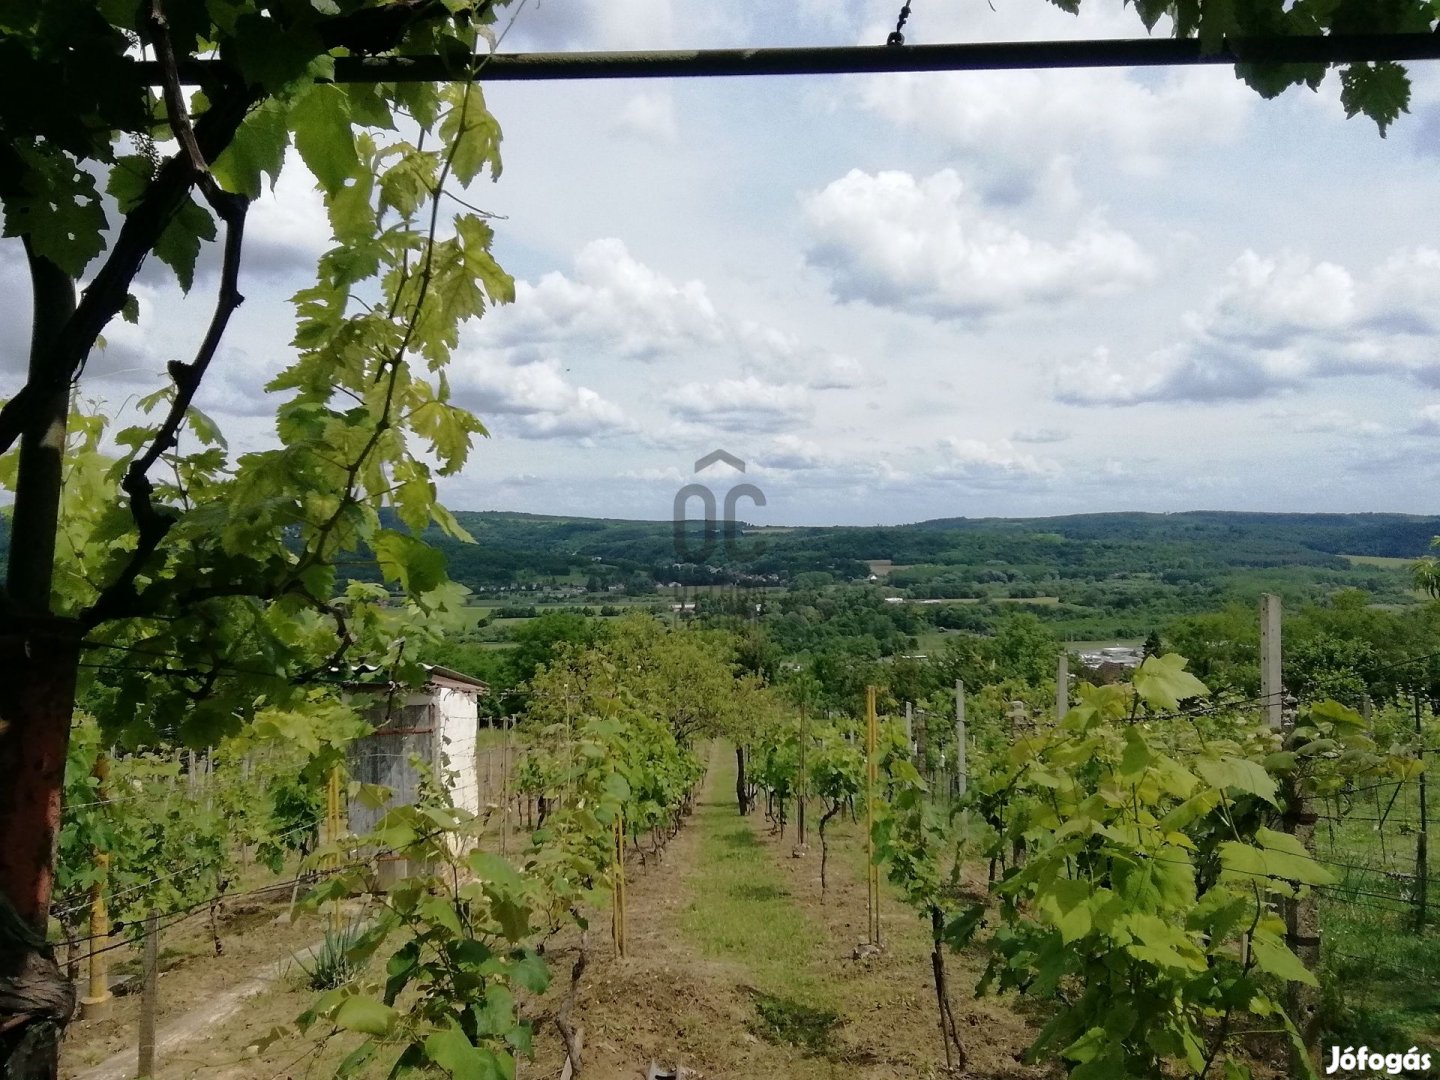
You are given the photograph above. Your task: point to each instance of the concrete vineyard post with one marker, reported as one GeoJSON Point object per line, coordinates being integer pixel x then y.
{"type": "Point", "coordinates": [1272, 690]}
{"type": "Point", "coordinates": [1018, 719]}
{"type": "Point", "coordinates": [1422, 839]}
{"type": "Point", "coordinates": [922, 747]}
{"type": "Point", "coordinates": [872, 873]}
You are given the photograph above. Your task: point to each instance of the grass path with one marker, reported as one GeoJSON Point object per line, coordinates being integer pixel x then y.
{"type": "Point", "coordinates": [741, 910]}
{"type": "Point", "coordinates": [756, 916]}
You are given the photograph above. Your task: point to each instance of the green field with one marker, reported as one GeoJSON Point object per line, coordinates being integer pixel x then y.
{"type": "Point", "coordinates": [1388, 562]}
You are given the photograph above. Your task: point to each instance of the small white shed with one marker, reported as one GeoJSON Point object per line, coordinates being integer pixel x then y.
{"type": "Point", "coordinates": [438, 722]}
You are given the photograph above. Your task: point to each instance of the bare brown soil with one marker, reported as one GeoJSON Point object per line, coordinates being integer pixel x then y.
{"type": "Point", "coordinates": [667, 1003]}
{"type": "Point", "coordinates": [192, 976]}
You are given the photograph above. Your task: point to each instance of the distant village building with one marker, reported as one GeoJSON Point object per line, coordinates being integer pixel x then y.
{"type": "Point", "coordinates": [1112, 664]}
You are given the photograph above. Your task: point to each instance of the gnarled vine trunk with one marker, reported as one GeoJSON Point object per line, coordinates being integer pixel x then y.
{"type": "Point", "coordinates": [954, 1053]}
{"type": "Point", "coordinates": [38, 657]}
{"type": "Point", "coordinates": [741, 789]}
{"type": "Point", "coordinates": [36, 998]}
{"type": "Point", "coordinates": [825, 844]}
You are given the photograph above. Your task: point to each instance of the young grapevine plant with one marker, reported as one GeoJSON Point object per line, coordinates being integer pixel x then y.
{"type": "Point", "coordinates": [1149, 869]}
{"type": "Point", "coordinates": [837, 777]}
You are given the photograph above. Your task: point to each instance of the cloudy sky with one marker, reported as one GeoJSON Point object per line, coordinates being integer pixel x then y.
{"type": "Point", "coordinates": [908, 296]}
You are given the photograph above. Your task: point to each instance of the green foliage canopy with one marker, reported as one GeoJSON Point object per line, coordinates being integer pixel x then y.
{"type": "Point", "coordinates": [222, 571]}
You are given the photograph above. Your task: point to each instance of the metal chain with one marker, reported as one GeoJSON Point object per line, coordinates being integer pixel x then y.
{"type": "Point", "coordinates": [898, 38]}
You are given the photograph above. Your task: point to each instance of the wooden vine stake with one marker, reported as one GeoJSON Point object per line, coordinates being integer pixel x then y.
{"type": "Point", "coordinates": [872, 872]}
{"type": "Point", "coordinates": [332, 827]}
{"type": "Point", "coordinates": [507, 723]}
{"type": "Point", "coordinates": [617, 892]}
{"type": "Point", "coordinates": [150, 985]}
{"type": "Point", "coordinates": [1062, 685]}
{"type": "Point", "coordinates": [803, 787]}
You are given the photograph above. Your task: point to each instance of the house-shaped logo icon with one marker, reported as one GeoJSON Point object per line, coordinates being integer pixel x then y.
{"type": "Point", "coordinates": [719, 455]}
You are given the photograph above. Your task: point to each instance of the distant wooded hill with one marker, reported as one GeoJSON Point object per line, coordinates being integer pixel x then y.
{"type": "Point", "coordinates": [512, 548]}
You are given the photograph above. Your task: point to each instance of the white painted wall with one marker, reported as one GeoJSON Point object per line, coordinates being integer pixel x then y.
{"type": "Point", "coordinates": [453, 713]}
{"type": "Point", "coordinates": [459, 728]}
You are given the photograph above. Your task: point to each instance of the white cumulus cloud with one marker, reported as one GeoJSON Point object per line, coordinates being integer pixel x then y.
{"type": "Point", "coordinates": [747, 404]}
{"type": "Point", "coordinates": [534, 400]}
{"type": "Point", "coordinates": [649, 116]}
{"type": "Point", "coordinates": [613, 301]}
{"type": "Point", "coordinates": [976, 465]}
{"type": "Point", "coordinates": [1276, 323]}
{"type": "Point", "coordinates": [1020, 119]}
{"type": "Point", "coordinates": [925, 246]}
{"type": "Point", "coordinates": [614, 306]}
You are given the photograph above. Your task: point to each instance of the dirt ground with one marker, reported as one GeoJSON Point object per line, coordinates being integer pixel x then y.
{"type": "Point", "coordinates": [677, 998]}
{"type": "Point", "coordinates": [255, 933]}
{"type": "Point", "coordinates": [667, 1003]}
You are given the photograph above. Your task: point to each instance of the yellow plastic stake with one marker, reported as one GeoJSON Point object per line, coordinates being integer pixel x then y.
{"type": "Point", "coordinates": [96, 1004]}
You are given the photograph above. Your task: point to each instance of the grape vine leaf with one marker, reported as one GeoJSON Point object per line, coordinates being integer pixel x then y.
{"type": "Point", "coordinates": [179, 245]}
{"type": "Point", "coordinates": [414, 565]}
{"type": "Point", "coordinates": [1238, 774]}
{"type": "Point", "coordinates": [1380, 90]}
{"type": "Point", "coordinates": [1162, 682]}
{"type": "Point", "coordinates": [257, 149]}
{"type": "Point", "coordinates": [1067, 904]}
{"type": "Point", "coordinates": [452, 1050]}
{"type": "Point", "coordinates": [324, 136]}
{"type": "Point", "coordinates": [365, 1015]}
{"type": "Point", "coordinates": [1272, 955]}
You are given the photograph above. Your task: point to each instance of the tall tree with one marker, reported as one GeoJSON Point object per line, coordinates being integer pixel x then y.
{"type": "Point", "coordinates": [197, 585]}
